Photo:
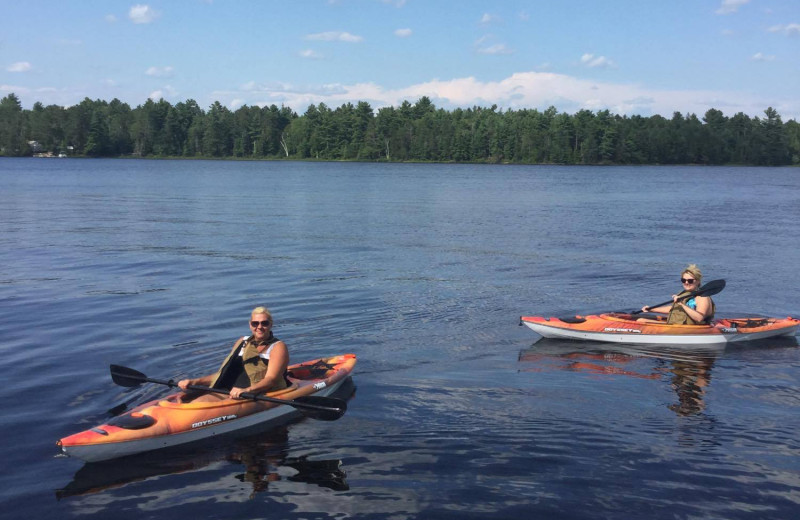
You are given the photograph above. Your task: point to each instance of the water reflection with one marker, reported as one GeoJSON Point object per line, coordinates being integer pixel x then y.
{"type": "Point", "coordinates": [690, 379]}
{"type": "Point", "coordinates": [261, 457]}
{"type": "Point", "coordinates": [688, 370]}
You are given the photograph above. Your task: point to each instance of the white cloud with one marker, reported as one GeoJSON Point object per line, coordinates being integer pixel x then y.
{"type": "Point", "coordinates": [759, 56]}
{"type": "Point", "coordinates": [110, 18]}
{"type": "Point", "coordinates": [396, 3]}
{"type": "Point", "coordinates": [166, 92]}
{"type": "Point", "coordinates": [142, 13]}
{"type": "Point", "coordinates": [497, 48]}
{"type": "Point", "coordinates": [485, 45]}
{"type": "Point", "coordinates": [489, 18]}
{"type": "Point", "coordinates": [20, 66]}
{"type": "Point", "coordinates": [335, 36]}
{"type": "Point", "coordinates": [791, 29]}
{"type": "Point", "coordinates": [160, 72]}
{"type": "Point", "coordinates": [521, 90]}
{"type": "Point", "coordinates": [730, 6]}
{"type": "Point", "coordinates": [235, 103]}
{"type": "Point", "coordinates": [310, 54]}
{"type": "Point", "coordinates": [592, 61]}
{"type": "Point", "coordinates": [252, 89]}
{"type": "Point", "coordinates": [14, 89]}
{"type": "Point", "coordinates": [402, 33]}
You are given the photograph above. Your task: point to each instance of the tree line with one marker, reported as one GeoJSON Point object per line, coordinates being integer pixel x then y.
{"type": "Point", "coordinates": [409, 132]}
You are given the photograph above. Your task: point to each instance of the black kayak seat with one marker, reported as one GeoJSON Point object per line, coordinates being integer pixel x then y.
{"type": "Point", "coordinates": [132, 422]}
{"type": "Point", "coordinates": [572, 319]}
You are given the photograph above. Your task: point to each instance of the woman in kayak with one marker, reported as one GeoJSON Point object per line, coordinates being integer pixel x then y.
{"type": "Point", "coordinates": [686, 310]}
{"type": "Point", "coordinates": [256, 364]}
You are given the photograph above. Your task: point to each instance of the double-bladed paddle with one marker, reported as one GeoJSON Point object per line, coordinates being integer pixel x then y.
{"type": "Point", "coordinates": [709, 289]}
{"type": "Point", "coordinates": [313, 406]}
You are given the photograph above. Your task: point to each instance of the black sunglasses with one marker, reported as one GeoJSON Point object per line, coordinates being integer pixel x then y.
{"type": "Point", "coordinates": [264, 324]}
{"type": "Point", "coordinates": [688, 280]}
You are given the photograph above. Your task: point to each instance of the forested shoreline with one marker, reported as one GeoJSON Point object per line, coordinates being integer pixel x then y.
{"type": "Point", "coordinates": [410, 132]}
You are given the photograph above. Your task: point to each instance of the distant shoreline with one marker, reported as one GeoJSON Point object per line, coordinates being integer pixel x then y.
{"type": "Point", "coordinates": [410, 133]}
{"type": "Point", "coordinates": [383, 161]}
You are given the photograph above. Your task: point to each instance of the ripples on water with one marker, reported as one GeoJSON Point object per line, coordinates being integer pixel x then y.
{"type": "Point", "coordinates": [422, 271]}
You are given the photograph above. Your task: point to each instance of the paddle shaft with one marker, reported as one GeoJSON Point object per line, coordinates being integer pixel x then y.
{"type": "Point", "coordinates": [709, 289]}
{"type": "Point", "coordinates": [127, 373]}
{"type": "Point", "coordinates": [249, 395]}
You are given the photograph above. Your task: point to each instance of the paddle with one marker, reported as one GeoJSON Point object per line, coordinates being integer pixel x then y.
{"type": "Point", "coordinates": [315, 407]}
{"type": "Point", "coordinates": [709, 289]}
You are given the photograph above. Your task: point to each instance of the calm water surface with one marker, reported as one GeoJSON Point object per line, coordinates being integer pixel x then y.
{"type": "Point", "coordinates": [422, 271]}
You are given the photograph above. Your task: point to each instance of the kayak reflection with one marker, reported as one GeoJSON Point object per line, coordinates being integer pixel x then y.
{"type": "Point", "coordinates": [687, 371]}
{"type": "Point", "coordinates": [263, 458]}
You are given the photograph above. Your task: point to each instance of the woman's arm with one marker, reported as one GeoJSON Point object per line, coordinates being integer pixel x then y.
{"type": "Point", "coordinates": [703, 304]}
{"type": "Point", "coordinates": [202, 381]}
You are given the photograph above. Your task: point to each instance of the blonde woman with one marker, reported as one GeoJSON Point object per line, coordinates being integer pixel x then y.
{"type": "Point", "coordinates": [687, 309]}
{"type": "Point", "coordinates": [256, 363]}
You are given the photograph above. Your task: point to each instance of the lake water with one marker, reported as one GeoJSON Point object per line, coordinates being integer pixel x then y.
{"type": "Point", "coordinates": [423, 272]}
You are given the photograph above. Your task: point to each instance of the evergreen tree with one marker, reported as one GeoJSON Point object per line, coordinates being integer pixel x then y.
{"type": "Point", "coordinates": [97, 142]}
{"type": "Point", "coordinates": [119, 120]}
{"type": "Point", "coordinates": [793, 140]}
{"type": "Point", "coordinates": [12, 138]}
{"type": "Point", "coordinates": [774, 151]}
{"type": "Point", "coordinates": [218, 131]}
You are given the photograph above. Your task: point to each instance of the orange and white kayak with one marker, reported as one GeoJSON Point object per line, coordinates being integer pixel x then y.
{"type": "Point", "coordinates": [171, 421]}
{"type": "Point", "coordinates": [617, 327]}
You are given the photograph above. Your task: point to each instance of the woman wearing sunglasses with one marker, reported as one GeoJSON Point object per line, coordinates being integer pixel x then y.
{"type": "Point", "coordinates": [256, 364]}
{"type": "Point", "coordinates": [687, 309]}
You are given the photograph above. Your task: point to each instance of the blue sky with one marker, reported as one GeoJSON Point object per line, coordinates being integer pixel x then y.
{"type": "Point", "coordinates": [629, 56]}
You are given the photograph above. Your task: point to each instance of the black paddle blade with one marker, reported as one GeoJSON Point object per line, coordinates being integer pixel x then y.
{"type": "Point", "coordinates": [321, 408]}
{"type": "Point", "coordinates": [124, 376]}
{"type": "Point", "coordinates": [711, 288]}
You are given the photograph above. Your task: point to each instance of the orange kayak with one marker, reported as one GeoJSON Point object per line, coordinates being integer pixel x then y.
{"type": "Point", "coordinates": [171, 421]}
{"type": "Point", "coordinates": [617, 327]}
